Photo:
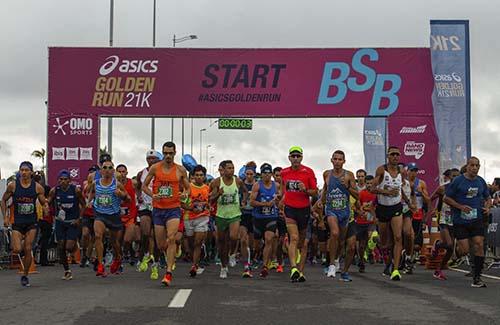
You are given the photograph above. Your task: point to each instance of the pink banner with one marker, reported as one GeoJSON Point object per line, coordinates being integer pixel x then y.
{"type": "Point", "coordinates": [240, 82]}
{"type": "Point", "coordinates": [86, 83]}
{"type": "Point", "coordinates": [417, 139]}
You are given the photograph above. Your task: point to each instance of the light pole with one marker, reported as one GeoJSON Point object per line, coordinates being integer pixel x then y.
{"type": "Point", "coordinates": [153, 121]}
{"type": "Point", "coordinates": [206, 161]}
{"type": "Point", "coordinates": [213, 170]}
{"type": "Point", "coordinates": [201, 143]}
{"type": "Point", "coordinates": [210, 164]}
{"type": "Point", "coordinates": [110, 119]}
{"type": "Point", "coordinates": [175, 41]}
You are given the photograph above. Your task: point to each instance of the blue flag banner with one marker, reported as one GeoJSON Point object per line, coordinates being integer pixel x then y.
{"type": "Point", "coordinates": [449, 44]}
{"type": "Point", "coordinates": [374, 140]}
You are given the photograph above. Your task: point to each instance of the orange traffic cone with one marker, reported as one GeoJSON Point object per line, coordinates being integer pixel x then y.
{"type": "Point", "coordinates": [32, 267]}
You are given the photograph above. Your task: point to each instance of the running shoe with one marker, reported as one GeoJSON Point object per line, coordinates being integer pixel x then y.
{"type": "Point", "coordinates": [154, 272]}
{"type": "Point", "coordinates": [264, 273]}
{"type": "Point", "coordinates": [232, 260]}
{"type": "Point", "coordinates": [453, 263]}
{"type": "Point", "coordinates": [247, 273]}
{"type": "Point", "coordinates": [193, 271]}
{"type": "Point", "coordinates": [294, 274]}
{"type": "Point", "coordinates": [279, 268]}
{"type": "Point", "coordinates": [344, 276]}
{"type": "Point", "coordinates": [223, 272]}
{"type": "Point", "coordinates": [468, 274]}
{"type": "Point", "coordinates": [25, 282]}
{"type": "Point", "coordinates": [387, 270]}
{"type": "Point", "coordinates": [395, 276]}
{"type": "Point", "coordinates": [84, 262]}
{"type": "Point", "coordinates": [272, 265]}
{"type": "Point", "coordinates": [67, 275]}
{"type": "Point", "coordinates": [435, 250]}
{"type": "Point", "coordinates": [115, 267]}
{"type": "Point", "coordinates": [143, 266]}
{"type": "Point", "coordinates": [331, 271]}
{"type": "Point", "coordinates": [200, 270]}
{"type": "Point", "coordinates": [438, 274]}
{"type": "Point", "coordinates": [179, 251]}
{"type": "Point", "coordinates": [167, 279]}
{"type": "Point", "coordinates": [325, 270]}
{"type": "Point", "coordinates": [101, 271]}
{"type": "Point", "coordinates": [478, 283]}
{"type": "Point", "coordinates": [302, 277]}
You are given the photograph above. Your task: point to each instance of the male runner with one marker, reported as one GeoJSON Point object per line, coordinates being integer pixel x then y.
{"type": "Point", "coordinates": [298, 184]}
{"type": "Point", "coordinates": [263, 199]}
{"type": "Point", "coordinates": [408, 211]}
{"type": "Point", "coordinates": [470, 202]}
{"type": "Point", "coordinates": [199, 214]}
{"type": "Point", "coordinates": [69, 204]}
{"type": "Point", "coordinates": [106, 195]}
{"type": "Point", "coordinates": [24, 192]}
{"type": "Point", "coordinates": [246, 224]}
{"type": "Point", "coordinates": [170, 186]}
{"type": "Point", "coordinates": [339, 184]}
{"type": "Point", "coordinates": [87, 239]}
{"type": "Point", "coordinates": [225, 191]}
{"type": "Point", "coordinates": [387, 185]}
{"type": "Point", "coordinates": [365, 219]}
{"type": "Point", "coordinates": [445, 221]}
{"type": "Point", "coordinates": [148, 251]}
{"type": "Point", "coordinates": [419, 187]}
{"type": "Point", "coordinates": [128, 210]}
{"type": "Point", "coordinates": [360, 179]}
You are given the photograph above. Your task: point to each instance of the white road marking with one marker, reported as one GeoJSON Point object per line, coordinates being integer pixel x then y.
{"type": "Point", "coordinates": [180, 298]}
{"type": "Point", "coordinates": [482, 275]}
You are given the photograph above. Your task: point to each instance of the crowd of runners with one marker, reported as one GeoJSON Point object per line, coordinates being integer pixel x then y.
{"type": "Point", "coordinates": [264, 221]}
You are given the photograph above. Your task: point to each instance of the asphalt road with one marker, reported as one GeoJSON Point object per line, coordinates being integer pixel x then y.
{"type": "Point", "coordinates": [132, 298]}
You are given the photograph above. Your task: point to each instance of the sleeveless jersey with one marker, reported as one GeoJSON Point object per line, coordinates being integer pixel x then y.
{"type": "Point", "coordinates": [67, 205]}
{"type": "Point", "coordinates": [418, 194]}
{"type": "Point", "coordinates": [198, 200]}
{"type": "Point", "coordinates": [266, 195]}
{"type": "Point", "coordinates": [166, 185]}
{"type": "Point", "coordinates": [389, 183]}
{"type": "Point", "coordinates": [106, 201]}
{"type": "Point", "coordinates": [228, 204]}
{"type": "Point", "coordinates": [337, 197]}
{"type": "Point", "coordinates": [147, 201]}
{"type": "Point", "coordinates": [24, 201]}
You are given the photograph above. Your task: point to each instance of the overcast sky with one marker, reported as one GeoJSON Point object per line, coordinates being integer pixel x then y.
{"type": "Point", "coordinates": [28, 27]}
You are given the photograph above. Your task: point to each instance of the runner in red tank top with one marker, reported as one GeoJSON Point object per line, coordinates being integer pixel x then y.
{"type": "Point", "coordinates": [128, 209]}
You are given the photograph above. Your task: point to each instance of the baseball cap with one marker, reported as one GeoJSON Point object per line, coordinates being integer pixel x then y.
{"type": "Point", "coordinates": [295, 149]}
{"type": "Point", "coordinates": [266, 168]}
{"type": "Point", "coordinates": [412, 165]}
{"type": "Point", "coordinates": [154, 153]}
{"type": "Point", "coordinates": [63, 173]}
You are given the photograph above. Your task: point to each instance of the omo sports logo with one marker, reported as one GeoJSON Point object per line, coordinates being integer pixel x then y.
{"type": "Point", "coordinates": [384, 85]}
{"type": "Point", "coordinates": [128, 66]}
{"type": "Point", "coordinates": [74, 126]}
{"type": "Point", "coordinates": [413, 148]}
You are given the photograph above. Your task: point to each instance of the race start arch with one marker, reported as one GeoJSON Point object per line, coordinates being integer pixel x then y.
{"type": "Point", "coordinates": [88, 83]}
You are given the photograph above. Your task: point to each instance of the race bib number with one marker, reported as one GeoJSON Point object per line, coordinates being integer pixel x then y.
{"type": "Point", "coordinates": [61, 215]}
{"type": "Point", "coordinates": [165, 191]}
{"type": "Point", "coordinates": [26, 208]}
{"type": "Point", "coordinates": [267, 211]}
{"type": "Point", "coordinates": [293, 186]}
{"type": "Point", "coordinates": [471, 215]}
{"type": "Point", "coordinates": [104, 201]}
{"type": "Point", "coordinates": [199, 206]}
{"type": "Point", "coordinates": [228, 199]}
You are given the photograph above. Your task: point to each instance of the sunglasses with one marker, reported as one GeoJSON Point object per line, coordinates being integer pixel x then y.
{"type": "Point", "coordinates": [394, 154]}
{"type": "Point", "coordinates": [63, 178]}
{"type": "Point", "coordinates": [107, 167]}
{"type": "Point", "coordinates": [296, 156]}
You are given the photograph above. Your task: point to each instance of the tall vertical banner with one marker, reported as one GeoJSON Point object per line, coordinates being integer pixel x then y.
{"type": "Point", "coordinates": [449, 43]}
{"type": "Point", "coordinates": [374, 140]}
